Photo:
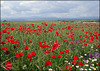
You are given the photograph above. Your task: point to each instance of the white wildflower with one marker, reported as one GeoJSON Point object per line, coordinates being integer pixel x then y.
{"type": "Point", "coordinates": [66, 61]}
{"type": "Point", "coordinates": [92, 60]}
{"type": "Point", "coordinates": [92, 64]}
{"type": "Point", "coordinates": [91, 46]}
{"type": "Point", "coordinates": [94, 68]}
{"type": "Point", "coordinates": [89, 58]}
{"type": "Point", "coordinates": [81, 69]}
{"type": "Point", "coordinates": [86, 65]}
{"type": "Point", "coordinates": [96, 49]}
{"type": "Point", "coordinates": [87, 61]}
{"type": "Point", "coordinates": [50, 69]}
{"type": "Point", "coordinates": [24, 66]}
{"type": "Point", "coordinates": [85, 54]}
{"type": "Point", "coordinates": [89, 69]}
{"type": "Point", "coordinates": [81, 57]}
{"type": "Point", "coordinates": [77, 66]}
{"type": "Point", "coordinates": [97, 67]}
{"type": "Point", "coordinates": [95, 59]}
{"type": "Point", "coordinates": [85, 69]}
{"type": "Point", "coordinates": [72, 65]}
{"type": "Point", "coordinates": [69, 63]}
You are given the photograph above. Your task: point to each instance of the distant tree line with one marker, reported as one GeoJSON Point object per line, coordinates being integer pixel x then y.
{"type": "Point", "coordinates": [97, 20]}
{"type": "Point", "coordinates": [4, 20]}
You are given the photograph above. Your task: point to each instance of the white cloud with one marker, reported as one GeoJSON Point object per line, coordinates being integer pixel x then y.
{"type": "Point", "coordinates": [26, 2]}
{"type": "Point", "coordinates": [76, 12]}
{"type": "Point", "coordinates": [64, 9]}
{"type": "Point", "coordinates": [58, 15]}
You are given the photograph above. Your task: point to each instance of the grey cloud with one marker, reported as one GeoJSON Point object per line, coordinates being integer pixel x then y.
{"type": "Point", "coordinates": [50, 8]}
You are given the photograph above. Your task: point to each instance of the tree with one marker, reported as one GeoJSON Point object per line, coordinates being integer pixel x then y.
{"type": "Point", "coordinates": [5, 21]}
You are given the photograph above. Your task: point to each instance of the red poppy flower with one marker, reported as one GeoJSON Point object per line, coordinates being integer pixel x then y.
{"type": "Point", "coordinates": [96, 37]}
{"type": "Point", "coordinates": [46, 52]}
{"type": "Point", "coordinates": [59, 56]}
{"type": "Point", "coordinates": [8, 32]}
{"type": "Point", "coordinates": [17, 41]}
{"type": "Point", "coordinates": [3, 43]}
{"type": "Point", "coordinates": [33, 53]}
{"type": "Point", "coordinates": [45, 24]}
{"type": "Point", "coordinates": [92, 38]}
{"type": "Point", "coordinates": [86, 32]}
{"type": "Point", "coordinates": [24, 41]}
{"type": "Point", "coordinates": [14, 46]}
{"type": "Point", "coordinates": [80, 39]}
{"type": "Point", "coordinates": [4, 31]}
{"type": "Point", "coordinates": [80, 64]}
{"type": "Point", "coordinates": [67, 51]}
{"type": "Point", "coordinates": [48, 63]}
{"type": "Point", "coordinates": [18, 45]}
{"type": "Point", "coordinates": [84, 40]}
{"type": "Point", "coordinates": [57, 33]}
{"type": "Point", "coordinates": [61, 52]}
{"type": "Point", "coordinates": [30, 41]}
{"type": "Point", "coordinates": [80, 36]}
{"type": "Point", "coordinates": [51, 27]}
{"type": "Point", "coordinates": [75, 57]}
{"type": "Point", "coordinates": [98, 45]}
{"type": "Point", "coordinates": [5, 23]}
{"type": "Point", "coordinates": [69, 27]}
{"type": "Point", "coordinates": [71, 35]}
{"type": "Point", "coordinates": [11, 37]}
{"type": "Point", "coordinates": [53, 51]}
{"type": "Point", "coordinates": [53, 56]}
{"type": "Point", "coordinates": [6, 52]}
{"type": "Point", "coordinates": [12, 28]}
{"type": "Point", "coordinates": [67, 33]}
{"type": "Point", "coordinates": [26, 47]}
{"type": "Point", "coordinates": [2, 23]}
{"type": "Point", "coordinates": [74, 62]}
{"type": "Point", "coordinates": [8, 65]}
{"type": "Point", "coordinates": [99, 63]}
{"type": "Point", "coordinates": [12, 42]}
{"type": "Point", "coordinates": [21, 54]}
{"type": "Point", "coordinates": [30, 59]}
{"type": "Point", "coordinates": [55, 45]}
{"type": "Point", "coordinates": [55, 41]}
{"type": "Point", "coordinates": [71, 42]}
{"type": "Point", "coordinates": [65, 40]}
{"type": "Point", "coordinates": [85, 44]}
{"type": "Point", "coordinates": [44, 41]}
{"type": "Point", "coordinates": [17, 55]}
{"type": "Point", "coordinates": [40, 42]}
{"type": "Point", "coordinates": [29, 55]}
{"type": "Point", "coordinates": [4, 48]}
{"type": "Point", "coordinates": [69, 68]}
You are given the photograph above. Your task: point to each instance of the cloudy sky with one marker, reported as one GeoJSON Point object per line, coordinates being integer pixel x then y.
{"type": "Point", "coordinates": [59, 9]}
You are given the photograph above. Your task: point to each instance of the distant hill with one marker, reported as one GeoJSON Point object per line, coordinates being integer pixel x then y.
{"type": "Point", "coordinates": [45, 18]}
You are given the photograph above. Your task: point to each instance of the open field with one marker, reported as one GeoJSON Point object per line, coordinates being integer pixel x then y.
{"type": "Point", "coordinates": [49, 45]}
{"type": "Point", "coordinates": [31, 22]}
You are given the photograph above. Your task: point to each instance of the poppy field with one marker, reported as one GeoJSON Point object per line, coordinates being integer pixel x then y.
{"type": "Point", "coordinates": [50, 46]}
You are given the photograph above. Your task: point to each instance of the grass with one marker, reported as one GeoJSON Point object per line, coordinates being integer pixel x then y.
{"type": "Point", "coordinates": [23, 30]}
{"type": "Point", "coordinates": [31, 22]}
